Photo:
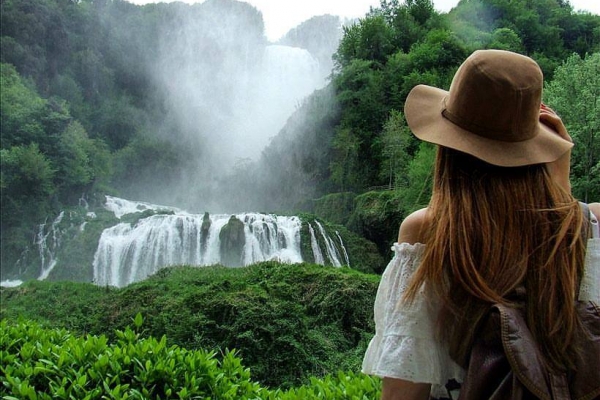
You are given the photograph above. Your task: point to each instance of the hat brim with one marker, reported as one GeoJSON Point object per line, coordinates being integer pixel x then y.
{"type": "Point", "coordinates": [423, 111]}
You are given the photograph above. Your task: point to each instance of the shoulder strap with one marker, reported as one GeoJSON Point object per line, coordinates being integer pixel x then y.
{"type": "Point", "coordinates": [586, 227]}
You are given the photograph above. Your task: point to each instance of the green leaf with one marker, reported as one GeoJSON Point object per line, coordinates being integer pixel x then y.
{"type": "Point", "coordinates": [138, 320]}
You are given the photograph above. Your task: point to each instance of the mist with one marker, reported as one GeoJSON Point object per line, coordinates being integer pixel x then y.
{"type": "Point", "coordinates": [227, 92]}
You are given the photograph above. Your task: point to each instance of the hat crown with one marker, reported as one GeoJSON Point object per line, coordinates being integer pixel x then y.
{"type": "Point", "coordinates": [497, 95]}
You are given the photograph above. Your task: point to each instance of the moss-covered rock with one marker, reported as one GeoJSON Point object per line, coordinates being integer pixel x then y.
{"type": "Point", "coordinates": [204, 231]}
{"type": "Point", "coordinates": [336, 208]}
{"type": "Point", "coordinates": [377, 217]}
{"type": "Point", "coordinates": [232, 239]}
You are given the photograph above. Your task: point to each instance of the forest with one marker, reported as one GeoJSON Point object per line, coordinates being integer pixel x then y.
{"type": "Point", "coordinates": [94, 102]}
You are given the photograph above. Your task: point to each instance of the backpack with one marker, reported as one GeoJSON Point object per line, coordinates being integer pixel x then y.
{"type": "Point", "coordinates": [506, 363]}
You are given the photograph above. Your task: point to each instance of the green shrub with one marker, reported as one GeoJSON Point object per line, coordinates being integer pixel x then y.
{"type": "Point", "coordinates": [40, 363]}
{"type": "Point", "coordinates": [43, 363]}
{"type": "Point", "coordinates": [343, 386]}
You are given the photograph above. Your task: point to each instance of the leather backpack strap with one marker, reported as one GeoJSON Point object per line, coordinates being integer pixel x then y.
{"type": "Point", "coordinates": [586, 228]}
{"type": "Point", "coordinates": [585, 384]}
{"type": "Point", "coordinates": [523, 353]}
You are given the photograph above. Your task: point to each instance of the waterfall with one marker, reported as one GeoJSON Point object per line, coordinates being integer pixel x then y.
{"type": "Point", "coordinates": [129, 252]}
{"type": "Point", "coordinates": [332, 252]}
{"type": "Point", "coordinates": [343, 248]}
{"type": "Point", "coordinates": [122, 207]}
{"type": "Point", "coordinates": [315, 247]}
{"type": "Point", "coordinates": [286, 76]}
{"type": "Point", "coordinates": [272, 238]}
{"type": "Point", "coordinates": [9, 283]}
{"type": "Point", "coordinates": [48, 243]}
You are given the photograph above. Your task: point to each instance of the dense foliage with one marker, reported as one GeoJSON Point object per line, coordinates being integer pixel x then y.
{"type": "Point", "coordinates": [43, 363]}
{"type": "Point", "coordinates": [288, 322]}
{"type": "Point", "coordinates": [575, 95]}
{"type": "Point", "coordinates": [400, 45]}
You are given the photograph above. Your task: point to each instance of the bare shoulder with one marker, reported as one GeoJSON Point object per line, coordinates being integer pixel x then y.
{"type": "Point", "coordinates": [413, 228]}
{"type": "Point", "coordinates": [595, 209]}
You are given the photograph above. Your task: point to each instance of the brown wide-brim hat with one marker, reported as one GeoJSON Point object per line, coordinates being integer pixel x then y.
{"type": "Point", "coordinates": [491, 111]}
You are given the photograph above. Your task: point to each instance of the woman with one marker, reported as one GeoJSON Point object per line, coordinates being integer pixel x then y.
{"type": "Point", "coordinates": [501, 217]}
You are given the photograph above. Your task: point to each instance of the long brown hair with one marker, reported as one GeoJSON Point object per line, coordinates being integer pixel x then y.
{"type": "Point", "coordinates": [495, 229]}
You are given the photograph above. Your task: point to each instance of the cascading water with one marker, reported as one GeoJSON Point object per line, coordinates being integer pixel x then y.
{"type": "Point", "coordinates": [122, 207]}
{"type": "Point", "coordinates": [315, 246]}
{"type": "Point", "coordinates": [332, 252]}
{"type": "Point", "coordinates": [130, 252]}
{"type": "Point", "coordinates": [47, 243]}
{"type": "Point", "coordinates": [343, 248]}
{"type": "Point", "coordinates": [331, 247]}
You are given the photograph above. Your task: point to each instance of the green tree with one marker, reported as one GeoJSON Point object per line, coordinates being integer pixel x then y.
{"type": "Point", "coordinates": [361, 93]}
{"type": "Point", "coordinates": [22, 110]}
{"type": "Point", "coordinates": [575, 95]}
{"type": "Point", "coordinates": [370, 39]}
{"type": "Point", "coordinates": [81, 161]}
{"type": "Point", "coordinates": [344, 169]}
{"type": "Point", "coordinates": [398, 147]}
{"type": "Point", "coordinates": [26, 171]}
{"type": "Point", "coordinates": [417, 193]}
{"type": "Point", "coordinates": [410, 21]}
{"type": "Point", "coordinates": [506, 39]}
{"type": "Point", "coordinates": [441, 50]}
{"type": "Point", "coordinates": [26, 184]}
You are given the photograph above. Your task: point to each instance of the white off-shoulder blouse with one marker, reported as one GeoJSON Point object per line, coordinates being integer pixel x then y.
{"type": "Point", "coordinates": [405, 345]}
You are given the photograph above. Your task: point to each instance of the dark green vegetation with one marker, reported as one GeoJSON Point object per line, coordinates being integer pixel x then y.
{"type": "Point", "coordinates": [287, 322]}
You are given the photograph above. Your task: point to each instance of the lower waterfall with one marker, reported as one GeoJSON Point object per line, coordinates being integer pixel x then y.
{"type": "Point", "coordinates": [130, 252]}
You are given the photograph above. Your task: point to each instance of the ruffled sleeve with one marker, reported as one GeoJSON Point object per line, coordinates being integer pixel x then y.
{"type": "Point", "coordinates": [589, 289]}
{"type": "Point", "coordinates": [404, 345]}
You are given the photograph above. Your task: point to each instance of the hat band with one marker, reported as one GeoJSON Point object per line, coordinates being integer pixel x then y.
{"type": "Point", "coordinates": [473, 128]}
{"type": "Point", "coordinates": [487, 132]}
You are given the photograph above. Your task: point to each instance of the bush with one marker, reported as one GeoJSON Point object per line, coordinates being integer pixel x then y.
{"type": "Point", "coordinates": [42, 363]}
{"type": "Point", "coordinates": [335, 207]}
